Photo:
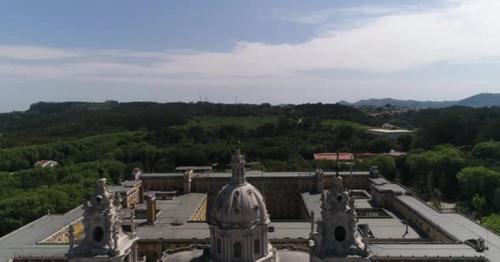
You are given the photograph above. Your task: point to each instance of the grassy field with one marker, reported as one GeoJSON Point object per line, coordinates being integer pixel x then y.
{"type": "Point", "coordinates": [249, 122]}
{"type": "Point", "coordinates": [338, 122]}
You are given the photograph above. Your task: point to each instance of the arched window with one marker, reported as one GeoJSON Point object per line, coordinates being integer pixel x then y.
{"type": "Point", "coordinates": [219, 248]}
{"type": "Point", "coordinates": [340, 233]}
{"type": "Point", "coordinates": [237, 250]}
{"type": "Point", "coordinates": [256, 246]}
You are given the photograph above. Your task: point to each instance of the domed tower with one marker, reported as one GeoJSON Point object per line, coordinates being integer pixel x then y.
{"type": "Point", "coordinates": [239, 220]}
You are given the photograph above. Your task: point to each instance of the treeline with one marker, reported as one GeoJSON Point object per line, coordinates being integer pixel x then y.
{"type": "Point", "coordinates": [469, 177]}
{"type": "Point", "coordinates": [286, 145]}
{"type": "Point", "coordinates": [460, 126]}
{"type": "Point", "coordinates": [49, 122]}
{"type": "Point", "coordinates": [30, 194]}
{"type": "Point", "coordinates": [111, 146]}
{"type": "Point", "coordinates": [454, 157]}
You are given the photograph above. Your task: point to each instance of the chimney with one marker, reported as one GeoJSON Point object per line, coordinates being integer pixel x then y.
{"type": "Point", "coordinates": [151, 208]}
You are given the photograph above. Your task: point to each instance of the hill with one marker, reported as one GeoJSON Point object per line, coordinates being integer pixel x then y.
{"type": "Point", "coordinates": [481, 100]}
{"type": "Point", "coordinates": [476, 101]}
{"type": "Point", "coordinates": [46, 122]}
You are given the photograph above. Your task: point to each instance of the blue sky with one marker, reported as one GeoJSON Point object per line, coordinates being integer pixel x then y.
{"type": "Point", "coordinates": [246, 51]}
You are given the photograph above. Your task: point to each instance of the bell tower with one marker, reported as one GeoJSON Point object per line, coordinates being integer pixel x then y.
{"type": "Point", "coordinates": [336, 234]}
{"type": "Point", "coordinates": [104, 238]}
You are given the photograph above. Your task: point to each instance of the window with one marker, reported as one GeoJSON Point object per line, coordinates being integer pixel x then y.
{"type": "Point", "coordinates": [256, 246]}
{"type": "Point", "coordinates": [219, 246]}
{"type": "Point", "coordinates": [340, 233]}
{"type": "Point", "coordinates": [237, 250]}
{"type": "Point", "coordinates": [339, 197]}
{"type": "Point", "coordinates": [98, 234]}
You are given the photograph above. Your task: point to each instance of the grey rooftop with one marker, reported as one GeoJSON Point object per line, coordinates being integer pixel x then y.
{"type": "Point", "coordinates": [424, 250]}
{"type": "Point", "coordinates": [23, 241]}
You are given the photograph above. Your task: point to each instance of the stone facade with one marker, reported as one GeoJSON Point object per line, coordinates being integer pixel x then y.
{"type": "Point", "coordinates": [104, 238]}
{"type": "Point", "coordinates": [336, 234]}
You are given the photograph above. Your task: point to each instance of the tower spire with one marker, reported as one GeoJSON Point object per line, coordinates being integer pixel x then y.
{"type": "Point", "coordinates": [238, 166]}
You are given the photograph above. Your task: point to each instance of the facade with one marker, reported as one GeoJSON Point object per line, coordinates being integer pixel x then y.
{"type": "Point", "coordinates": [252, 216]}
{"type": "Point", "coordinates": [104, 238]}
{"type": "Point", "coordinates": [337, 235]}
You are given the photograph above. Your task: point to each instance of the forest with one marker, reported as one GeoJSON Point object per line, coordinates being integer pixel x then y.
{"type": "Point", "coordinates": [453, 156]}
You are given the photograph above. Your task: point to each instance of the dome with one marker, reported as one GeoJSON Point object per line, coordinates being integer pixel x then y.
{"type": "Point", "coordinates": [239, 204]}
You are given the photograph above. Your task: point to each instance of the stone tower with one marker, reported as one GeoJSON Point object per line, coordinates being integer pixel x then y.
{"type": "Point", "coordinates": [336, 235]}
{"type": "Point", "coordinates": [104, 238]}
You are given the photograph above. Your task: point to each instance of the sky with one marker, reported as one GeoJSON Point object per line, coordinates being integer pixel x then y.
{"type": "Point", "coordinates": [246, 51]}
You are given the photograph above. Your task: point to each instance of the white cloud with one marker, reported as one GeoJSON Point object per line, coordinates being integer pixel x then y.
{"type": "Point", "coordinates": [323, 16]}
{"type": "Point", "coordinates": [33, 53]}
{"type": "Point", "coordinates": [456, 32]}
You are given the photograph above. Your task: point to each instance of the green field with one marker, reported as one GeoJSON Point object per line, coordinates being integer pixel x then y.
{"type": "Point", "coordinates": [338, 122]}
{"type": "Point", "coordinates": [249, 122]}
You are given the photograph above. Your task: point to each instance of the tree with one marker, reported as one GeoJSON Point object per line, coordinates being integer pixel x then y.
{"type": "Point", "coordinates": [492, 221]}
{"type": "Point", "coordinates": [345, 132]}
{"type": "Point", "coordinates": [436, 203]}
{"type": "Point", "coordinates": [479, 203]}
{"type": "Point", "coordinates": [486, 150]}
{"type": "Point", "coordinates": [386, 165]}
{"type": "Point", "coordinates": [478, 180]}
{"type": "Point", "coordinates": [496, 199]}
{"type": "Point", "coordinates": [380, 145]}
{"type": "Point", "coordinates": [405, 142]}
{"type": "Point", "coordinates": [437, 169]}
{"type": "Point", "coordinates": [265, 130]}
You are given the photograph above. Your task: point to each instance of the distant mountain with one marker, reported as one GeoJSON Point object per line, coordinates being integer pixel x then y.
{"type": "Point", "coordinates": [380, 102]}
{"type": "Point", "coordinates": [479, 100]}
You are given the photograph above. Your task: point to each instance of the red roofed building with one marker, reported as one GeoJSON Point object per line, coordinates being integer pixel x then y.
{"type": "Point", "coordinates": [342, 157]}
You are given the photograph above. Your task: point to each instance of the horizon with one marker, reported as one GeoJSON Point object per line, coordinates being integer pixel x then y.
{"type": "Point", "coordinates": [247, 52]}
{"type": "Point", "coordinates": [236, 103]}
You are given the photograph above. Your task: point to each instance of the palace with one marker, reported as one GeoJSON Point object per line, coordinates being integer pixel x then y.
{"type": "Point", "coordinates": [242, 215]}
